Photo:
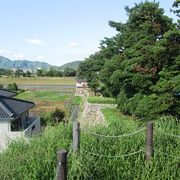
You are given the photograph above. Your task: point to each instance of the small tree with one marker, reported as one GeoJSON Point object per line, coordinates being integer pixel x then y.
{"type": "Point", "coordinates": [57, 116]}
{"type": "Point", "coordinates": [12, 87]}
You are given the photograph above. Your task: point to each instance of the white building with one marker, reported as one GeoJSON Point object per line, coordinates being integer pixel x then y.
{"type": "Point", "coordinates": [15, 122]}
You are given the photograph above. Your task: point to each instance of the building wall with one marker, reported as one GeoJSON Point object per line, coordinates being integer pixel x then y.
{"type": "Point", "coordinates": [6, 135]}
{"type": "Point", "coordinates": [4, 126]}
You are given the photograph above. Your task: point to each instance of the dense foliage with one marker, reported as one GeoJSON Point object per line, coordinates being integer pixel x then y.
{"type": "Point", "coordinates": [140, 66]}
{"type": "Point", "coordinates": [52, 72]}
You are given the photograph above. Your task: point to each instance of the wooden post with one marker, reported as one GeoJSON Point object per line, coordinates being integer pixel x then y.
{"type": "Point", "coordinates": [62, 165]}
{"type": "Point", "coordinates": [149, 141]}
{"type": "Point", "coordinates": [76, 136]}
{"type": "Point", "coordinates": [75, 113]}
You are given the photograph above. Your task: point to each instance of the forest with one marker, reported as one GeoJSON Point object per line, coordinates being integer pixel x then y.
{"type": "Point", "coordinates": [140, 65]}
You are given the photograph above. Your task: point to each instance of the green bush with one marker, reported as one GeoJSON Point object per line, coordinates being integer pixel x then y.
{"type": "Point", "coordinates": [53, 118]}
{"type": "Point", "coordinates": [57, 116]}
{"type": "Point", "coordinates": [12, 87]}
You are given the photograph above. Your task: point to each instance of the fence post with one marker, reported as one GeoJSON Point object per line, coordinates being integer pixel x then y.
{"type": "Point", "coordinates": [76, 136]}
{"type": "Point", "coordinates": [62, 165]}
{"type": "Point", "coordinates": [75, 113]}
{"type": "Point", "coordinates": [149, 141]}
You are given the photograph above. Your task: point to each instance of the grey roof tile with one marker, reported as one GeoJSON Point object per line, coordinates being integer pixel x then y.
{"type": "Point", "coordinates": [7, 93]}
{"type": "Point", "coordinates": [11, 107]}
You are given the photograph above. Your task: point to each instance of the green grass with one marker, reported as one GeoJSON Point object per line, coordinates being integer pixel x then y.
{"type": "Point", "coordinates": [87, 166]}
{"type": "Point", "coordinates": [101, 100]}
{"type": "Point", "coordinates": [37, 159]}
{"type": "Point", "coordinates": [77, 100]}
{"type": "Point", "coordinates": [43, 96]}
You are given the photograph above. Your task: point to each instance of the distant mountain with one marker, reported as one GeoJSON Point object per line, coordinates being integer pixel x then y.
{"type": "Point", "coordinates": [6, 63]}
{"type": "Point", "coordinates": [73, 65]}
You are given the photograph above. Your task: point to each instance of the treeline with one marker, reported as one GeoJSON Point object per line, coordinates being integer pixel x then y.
{"type": "Point", "coordinates": [140, 65]}
{"type": "Point", "coordinates": [52, 72]}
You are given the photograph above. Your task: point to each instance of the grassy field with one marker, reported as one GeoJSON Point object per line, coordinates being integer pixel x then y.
{"type": "Point", "coordinates": [45, 101]}
{"type": "Point", "coordinates": [39, 81]}
{"type": "Point", "coordinates": [101, 100]}
{"type": "Point", "coordinates": [62, 84]}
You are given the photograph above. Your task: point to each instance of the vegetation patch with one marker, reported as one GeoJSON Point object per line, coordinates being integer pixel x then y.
{"type": "Point", "coordinates": [77, 100]}
{"type": "Point", "coordinates": [101, 100]}
{"type": "Point", "coordinates": [38, 80]}
{"type": "Point", "coordinates": [43, 95]}
{"type": "Point", "coordinates": [37, 159]}
{"type": "Point", "coordinates": [46, 101]}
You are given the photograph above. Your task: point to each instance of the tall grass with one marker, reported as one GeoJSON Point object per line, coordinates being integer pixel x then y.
{"type": "Point", "coordinates": [37, 159]}
{"type": "Point", "coordinates": [87, 166]}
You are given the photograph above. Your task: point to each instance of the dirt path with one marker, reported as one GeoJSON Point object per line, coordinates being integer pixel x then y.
{"type": "Point", "coordinates": [91, 114]}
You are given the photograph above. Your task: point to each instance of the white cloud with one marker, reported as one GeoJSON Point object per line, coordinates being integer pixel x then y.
{"type": "Point", "coordinates": [19, 56]}
{"type": "Point", "coordinates": [36, 41]}
{"type": "Point", "coordinates": [73, 44]}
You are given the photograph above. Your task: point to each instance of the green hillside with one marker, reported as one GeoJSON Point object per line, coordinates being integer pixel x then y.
{"type": "Point", "coordinates": [73, 65]}
{"type": "Point", "coordinates": [6, 63]}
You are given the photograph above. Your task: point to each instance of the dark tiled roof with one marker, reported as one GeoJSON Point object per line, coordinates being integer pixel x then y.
{"type": "Point", "coordinates": [11, 107]}
{"type": "Point", "coordinates": [7, 93]}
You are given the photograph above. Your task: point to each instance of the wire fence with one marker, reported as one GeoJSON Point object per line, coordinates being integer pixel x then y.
{"type": "Point", "coordinates": [176, 136]}
{"type": "Point", "coordinates": [149, 149]}
{"type": "Point", "coordinates": [113, 136]}
{"type": "Point", "coordinates": [166, 154]}
{"type": "Point", "coordinates": [110, 156]}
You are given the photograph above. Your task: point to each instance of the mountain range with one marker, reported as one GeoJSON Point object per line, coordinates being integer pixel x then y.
{"type": "Point", "coordinates": [6, 63]}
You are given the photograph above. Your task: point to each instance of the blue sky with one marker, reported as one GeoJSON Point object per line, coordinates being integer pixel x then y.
{"type": "Point", "coordinates": [59, 31]}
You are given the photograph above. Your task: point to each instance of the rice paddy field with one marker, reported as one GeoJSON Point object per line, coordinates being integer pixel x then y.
{"type": "Point", "coordinates": [46, 101]}
{"type": "Point", "coordinates": [62, 84]}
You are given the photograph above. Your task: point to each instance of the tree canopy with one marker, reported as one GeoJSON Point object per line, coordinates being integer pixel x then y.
{"type": "Point", "coordinates": [140, 66]}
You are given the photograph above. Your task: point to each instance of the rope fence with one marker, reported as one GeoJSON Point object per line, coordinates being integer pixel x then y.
{"type": "Point", "coordinates": [162, 153]}
{"type": "Point", "coordinates": [75, 146]}
{"type": "Point", "coordinates": [110, 136]}
{"type": "Point", "coordinates": [110, 156]}
{"type": "Point", "coordinates": [176, 136]}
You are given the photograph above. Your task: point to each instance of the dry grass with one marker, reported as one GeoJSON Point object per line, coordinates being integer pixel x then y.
{"type": "Point", "coordinates": [38, 80]}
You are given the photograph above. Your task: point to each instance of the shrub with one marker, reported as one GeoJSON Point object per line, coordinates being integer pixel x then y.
{"type": "Point", "coordinates": [12, 87]}
{"type": "Point", "coordinates": [53, 118]}
{"type": "Point", "coordinates": [57, 116]}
